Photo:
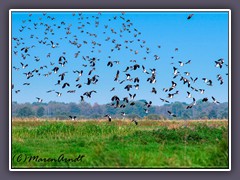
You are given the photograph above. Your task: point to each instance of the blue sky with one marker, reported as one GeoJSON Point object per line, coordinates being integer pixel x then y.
{"type": "Point", "coordinates": [203, 39]}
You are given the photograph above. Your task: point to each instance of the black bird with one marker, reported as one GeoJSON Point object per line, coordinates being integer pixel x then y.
{"type": "Point", "coordinates": [187, 73]}
{"type": "Point", "coordinates": [172, 114]}
{"type": "Point", "coordinates": [132, 103]}
{"type": "Point", "coordinates": [16, 68]}
{"type": "Point", "coordinates": [156, 57]}
{"type": "Point", "coordinates": [164, 100]}
{"type": "Point", "coordinates": [121, 81]}
{"type": "Point", "coordinates": [50, 91]}
{"type": "Point", "coordinates": [89, 81]}
{"type": "Point", "coordinates": [117, 76]}
{"type": "Point", "coordinates": [26, 84]}
{"type": "Point", "coordinates": [154, 90]}
{"type": "Point", "coordinates": [115, 98]}
{"type": "Point", "coordinates": [82, 98]}
{"type": "Point", "coordinates": [25, 49]}
{"type": "Point", "coordinates": [175, 72]}
{"type": "Point", "coordinates": [189, 94]}
{"type": "Point", "coordinates": [132, 96]}
{"type": "Point", "coordinates": [181, 63]}
{"type": "Point", "coordinates": [112, 89]}
{"type": "Point", "coordinates": [176, 92]}
{"type": "Point", "coordinates": [53, 45]}
{"type": "Point", "coordinates": [219, 78]}
{"type": "Point", "coordinates": [128, 87]}
{"type": "Point", "coordinates": [153, 71]}
{"type": "Point", "coordinates": [170, 95]}
{"type": "Point", "coordinates": [133, 120]}
{"type": "Point", "coordinates": [152, 79]}
{"type": "Point", "coordinates": [55, 69]}
{"type": "Point", "coordinates": [144, 70]}
{"type": "Point", "coordinates": [136, 80]}
{"type": "Point", "coordinates": [215, 101]}
{"type": "Point", "coordinates": [62, 76]}
{"type": "Point", "coordinates": [148, 104]}
{"type": "Point", "coordinates": [39, 99]}
{"type": "Point", "coordinates": [79, 72]}
{"type": "Point", "coordinates": [136, 86]}
{"type": "Point", "coordinates": [136, 66]}
{"type": "Point", "coordinates": [190, 16]}
{"type": "Point", "coordinates": [29, 75]}
{"type": "Point", "coordinates": [65, 84]}
{"type": "Point", "coordinates": [192, 104]}
{"type": "Point", "coordinates": [194, 80]}
{"type": "Point", "coordinates": [109, 117]}
{"type": "Point", "coordinates": [173, 86]}
{"type": "Point", "coordinates": [71, 91]}
{"type": "Point", "coordinates": [110, 63]}
{"type": "Point", "coordinates": [72, 118]}
{"type": "Point", "coordinates": [146, 110]}
{"type": "Point", "coordinates": [24, 66]}
{"type": "Point", "coordinates": [58, 83]}
{"type": "Point", "coordinates": [127, 68]}
{"type": "Point", "coordinates": [218, 64]}
{"type": "Point", "coordinates": [209, 83]}
{"type": "Point", "coordinates": [79, 85]}
{"type": "Point", "coordinates": [165, 89]}
{"type": "Point", "coordinates": [123, 114]}
{"type": "Point", "coordinates": [59, 94]}
{"type": "Point", "coordinates": [128, 76]}
{"type": "Point", "coordinates": [125, 99]}
{"type": "Point", "coordinates": [205, 80]}
{"type": "Point", "coordinates": [204, 99]}
{"type": "Point", "coordinates": [88, 94]}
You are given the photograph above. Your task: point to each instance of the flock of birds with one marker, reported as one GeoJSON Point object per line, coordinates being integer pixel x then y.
{"type": "Point", "coordinates": [22, 49]}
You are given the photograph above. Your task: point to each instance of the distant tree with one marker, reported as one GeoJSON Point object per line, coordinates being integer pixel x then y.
{"type": "Point", "coordinates": [62, 110]}
{"type": "Point", "coordinates": [185, 115]}
{"type": "Point", "coordinates": [162, 117]}
{"type": "Point", "coordinates": [178, 108]}
{"type": "Point", "coordinates": [95, 116]}
{"type": "Point", "coordinates": [203, 115]}
{"type": "Point", "coordinates": [212, 114]}
{"type": "Point", "coordinates": [74, 109]}
{"type": "Point", "coordinates": [224, 115]}
{"type": "Point", "coordinates": [152, 117]}
{"type": "Point", "coordinates": [97, 109]}
{"type": "Point", "coordinates": [25, 112]}
{"type": "Point", "coordinates": [130, 116]}
{"type": "Point", "coordinates": [40, 111]}
{"type": "Point", "coordinates": [61, 115]}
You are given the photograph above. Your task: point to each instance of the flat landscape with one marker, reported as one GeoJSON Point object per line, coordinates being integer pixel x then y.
{"type": "Point", "coordinates": [43, 143]}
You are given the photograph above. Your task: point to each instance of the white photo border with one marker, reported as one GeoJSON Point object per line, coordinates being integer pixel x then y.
{"type": "Point", "coordinates": [118, 10]}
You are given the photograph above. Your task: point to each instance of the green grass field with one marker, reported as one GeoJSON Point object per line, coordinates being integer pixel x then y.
{"type": "Point", "coordinates": [119, 144]}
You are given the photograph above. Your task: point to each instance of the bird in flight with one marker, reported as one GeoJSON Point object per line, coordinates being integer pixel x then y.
{"type": "Point", "coordinates": [72, 117]}
{"type": "Point", "coordinates": [39, 99]}
{"type": "Point", "coordinates": [109, 117]}
{"type": "Point", "coordinates": [171, 114]}
{"type": "Point", "coordinates": [190, 16]}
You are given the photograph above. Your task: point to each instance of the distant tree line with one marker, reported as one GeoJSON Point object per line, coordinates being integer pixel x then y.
{"type": "Point", "coordinates": [83, 110]}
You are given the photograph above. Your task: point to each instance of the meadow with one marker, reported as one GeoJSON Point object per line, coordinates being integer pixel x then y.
{"type": "Point", "coordinates": [38, 143]}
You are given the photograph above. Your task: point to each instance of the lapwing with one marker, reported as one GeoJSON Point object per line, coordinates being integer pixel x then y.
{"type": "Point", "coordinates": [190, 16]}
{"type": "Point", "coordinates": [72, 117]}
{"type": "Point", "coordinates": [109, 117]}
{"type": "Point", "coordinates": [39, 99]}
{"type": "Point", "coordinates": [164, 100]}
{"type": "Point", "coordinates": [215, 101]}
{"type": "Point", "coordinates": [171, 114]}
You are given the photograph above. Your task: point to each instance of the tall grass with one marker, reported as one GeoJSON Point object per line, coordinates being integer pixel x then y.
{"type": "Point", "coordinates": [151, 144]}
